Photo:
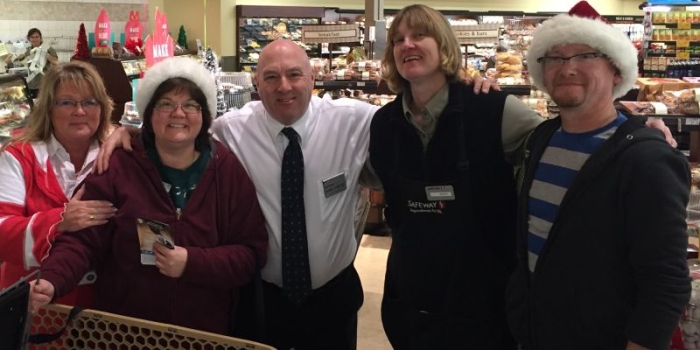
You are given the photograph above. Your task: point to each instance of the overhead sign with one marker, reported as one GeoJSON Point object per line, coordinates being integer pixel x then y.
{"type": "Point", "coordinates": [476, 34]}
{"type": "Point", "coordinates": [330, 33]}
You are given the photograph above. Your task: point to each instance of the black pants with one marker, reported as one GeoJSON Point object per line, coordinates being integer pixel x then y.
{"type": "Point", "coordinates": [326, 320]}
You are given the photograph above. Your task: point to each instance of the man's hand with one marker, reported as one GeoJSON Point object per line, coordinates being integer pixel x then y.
{"type": "Point", "coordinates": [79, 214]}
{"type": "Point", "coordinates": [119, 138]}
{"type": "Point", "coordinates": [659, 125]}
{"type": "Point", "coordinates": [170, 262]}
{"type": "Point", "coordinates": [40, 294]}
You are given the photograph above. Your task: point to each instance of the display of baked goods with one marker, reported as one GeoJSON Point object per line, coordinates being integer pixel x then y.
{"type": "Point", "coordinates": [12, 116]}
{"type": "Point", "coordinates": [255, 33]}
{"type": "Point", "coordinates": [508, 65]}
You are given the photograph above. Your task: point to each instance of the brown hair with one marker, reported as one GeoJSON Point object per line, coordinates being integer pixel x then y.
{"type": "Point", "coordinates": [433, 24]}
{"type": "Point", "coordinates": [81, 75]}
{"type": "Point", "coordinates": [177, 85]}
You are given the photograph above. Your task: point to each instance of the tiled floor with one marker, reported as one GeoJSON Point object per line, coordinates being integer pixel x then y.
{"type": "Point", "coordinates": [371, 265]}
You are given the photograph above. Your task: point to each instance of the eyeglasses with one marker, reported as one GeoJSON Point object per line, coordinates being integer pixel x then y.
{"type": "Point", "coordinates": [582, 59]}
{"type": "Point", "coordinates": [169, 107]}
{"type": "Point", "coordinates": [89, 105]}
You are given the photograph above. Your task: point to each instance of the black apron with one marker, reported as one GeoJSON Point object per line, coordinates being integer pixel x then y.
{"type": "Point", "coordinates": [435, 294]}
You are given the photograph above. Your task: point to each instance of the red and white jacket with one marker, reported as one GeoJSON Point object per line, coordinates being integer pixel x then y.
{"type": "Point", "coordinates": [31, 205]}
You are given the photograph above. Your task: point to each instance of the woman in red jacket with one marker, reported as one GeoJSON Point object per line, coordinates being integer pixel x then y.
{"type": "Point", "coordinates": [41, 168]}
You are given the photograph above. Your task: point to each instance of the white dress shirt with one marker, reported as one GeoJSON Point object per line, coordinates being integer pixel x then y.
{"type": "Point", "coordinates": [65, 172]}
{"type": "Point", "coordinates": [334, 139]}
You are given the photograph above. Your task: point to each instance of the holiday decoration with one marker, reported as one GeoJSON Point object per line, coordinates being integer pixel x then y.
{"type": "Point", "coordinates": [103, 34]}
{"type": "Point", "coordinates": [81, 51]}
{"type": "Point", "coordinates": [182, 38]}
{"type": "Point", "coordinates": [133, 30]}
{"type": "Point", "coordinates": [211, 63]}
{"type": "Point", "coordinates": [159, 45]}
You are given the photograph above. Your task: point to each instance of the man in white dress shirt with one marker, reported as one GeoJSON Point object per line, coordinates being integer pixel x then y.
{"type": "Point", "coordinates": [334, 137]}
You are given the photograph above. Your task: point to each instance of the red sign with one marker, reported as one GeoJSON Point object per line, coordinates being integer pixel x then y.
{"type": "Point", "coordinates": [103, 30]}
{"type": "Point", "coordinates": [133, 30]}
{"type": "Point", "coordinates": [159, 45]}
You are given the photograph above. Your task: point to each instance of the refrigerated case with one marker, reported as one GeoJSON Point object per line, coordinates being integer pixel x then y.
{"type": "Point", "coordinates": [15, 104]}
{"type": "Point", "coordinates": [259, 25]}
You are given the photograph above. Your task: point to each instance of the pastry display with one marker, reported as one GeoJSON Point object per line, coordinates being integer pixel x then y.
{"type": "Point", "coordinates": [508, 65]}
{"type": "Point", "coordinates": [255, 33]}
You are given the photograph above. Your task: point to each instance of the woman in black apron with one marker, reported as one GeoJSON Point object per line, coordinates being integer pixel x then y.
{"type": "Point", "coordinates": [450, 194]}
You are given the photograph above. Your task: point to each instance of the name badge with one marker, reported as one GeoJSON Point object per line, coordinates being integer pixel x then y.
{"type": "Point", "coordinates": [334, 185]}
{"type": "Point", "coordinates": [440, 193]}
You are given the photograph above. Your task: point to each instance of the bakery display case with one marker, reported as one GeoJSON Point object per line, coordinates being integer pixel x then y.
{"type": "Point", "coordinates": [15, 104]}
{"type": "Point", "coordinates": [259, 25]}
{"type": "Point", "coordinates": [134, 66]}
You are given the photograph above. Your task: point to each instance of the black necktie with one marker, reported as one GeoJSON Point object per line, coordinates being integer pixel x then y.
{"type": "Point", "coordinates": [296, 276]}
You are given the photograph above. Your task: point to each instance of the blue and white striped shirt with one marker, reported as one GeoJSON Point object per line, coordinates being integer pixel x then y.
{"type": "Point", "coordinates": [562, 159]}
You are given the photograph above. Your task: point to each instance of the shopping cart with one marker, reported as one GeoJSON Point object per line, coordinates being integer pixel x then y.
{"type": "Point", "coordinates": [93, 329]}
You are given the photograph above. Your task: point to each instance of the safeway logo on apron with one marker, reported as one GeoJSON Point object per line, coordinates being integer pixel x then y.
{"type": "Point", "coordinates": [425, 207]}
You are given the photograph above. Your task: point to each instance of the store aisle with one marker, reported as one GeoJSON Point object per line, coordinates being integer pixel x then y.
{"type": "Point", "coordinates": [371, 265]}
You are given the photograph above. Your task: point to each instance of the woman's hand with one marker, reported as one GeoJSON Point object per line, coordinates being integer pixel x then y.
{"type": "Point", "coordinates": [661, 126]}
{"type": "Point", "coordinates": [8, 59]}
{"type": "Point", "coordinates": [40, 294]}
{"type": "Point", "coordinates": [120, 137]}
{"type": "Point", "coordinates": [170, 262]}
{"type": "Point", "coordinates": [484, 85]}
{"type": "Point", "coordinates": [80, 214]}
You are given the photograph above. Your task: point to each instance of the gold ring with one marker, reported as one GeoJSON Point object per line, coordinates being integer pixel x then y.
{"type": "Point", "coordinates": [92, 217]}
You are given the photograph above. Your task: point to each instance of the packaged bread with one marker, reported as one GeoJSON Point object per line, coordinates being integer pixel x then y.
{"type": "Point", "coordinates": [344, 74]}
{"type": "Point", "coordinates": [689, 95]}
{"type": "Point", "coordinates": [689, 108]}
{"type": "Point", "coordinates": [366, 65]}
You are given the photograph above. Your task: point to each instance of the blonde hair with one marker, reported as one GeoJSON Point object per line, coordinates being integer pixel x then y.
{"type": "Point", "coordinates": [433, 24]}
{"type": "Point", "coordinates": [83, 77]}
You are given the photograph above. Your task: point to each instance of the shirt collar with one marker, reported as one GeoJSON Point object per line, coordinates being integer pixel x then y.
{"type": "Point", "coordinates": [435, 105]}
{"type": "Point", "coordinates": [275, 128]}
{"type": "Point", "coordinates": [55, 148]}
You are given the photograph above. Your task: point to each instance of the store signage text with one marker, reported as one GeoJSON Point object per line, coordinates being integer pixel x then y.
{"type": "Point", "coordinates": [160, 50]}
{"type": "Point", "coordinates": [333, 34]}
{"type": "Point", "coordinates": [461, 34]}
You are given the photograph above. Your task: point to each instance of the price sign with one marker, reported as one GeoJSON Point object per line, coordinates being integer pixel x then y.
{"type": "Point", "coordinates": [683, 25]}
{"type": "Point", "coordinates": [682, 43]}
{"type": "Point", "coordinates": [692, 121]}
{"type": "Point", "coordinates": [683, 55]}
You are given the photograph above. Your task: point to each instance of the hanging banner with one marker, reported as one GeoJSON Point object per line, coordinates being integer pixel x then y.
{"type": "Point", "coordinates": [133, 31]}
{"type": "Point", "coordinates": [330, 33]}
{"type": "Point", "coordinates": [103, 30]}
{"type": "Point", "coordinates": [477, 34]}
{"type": "Point", "coordinates": [159, 45]}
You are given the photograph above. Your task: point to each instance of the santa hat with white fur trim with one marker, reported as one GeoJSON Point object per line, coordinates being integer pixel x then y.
{"type": "Point", "coordinates": [583, 25]}
{"type": "Point", "coordinates": [176, 67]}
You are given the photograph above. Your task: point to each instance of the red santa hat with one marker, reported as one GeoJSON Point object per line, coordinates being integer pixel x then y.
{"type": "Point", "coordinates": [584, 25]}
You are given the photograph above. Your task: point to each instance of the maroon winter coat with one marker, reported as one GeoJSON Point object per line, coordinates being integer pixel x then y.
{"type": "Point", "coordinates": [221, 227]}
